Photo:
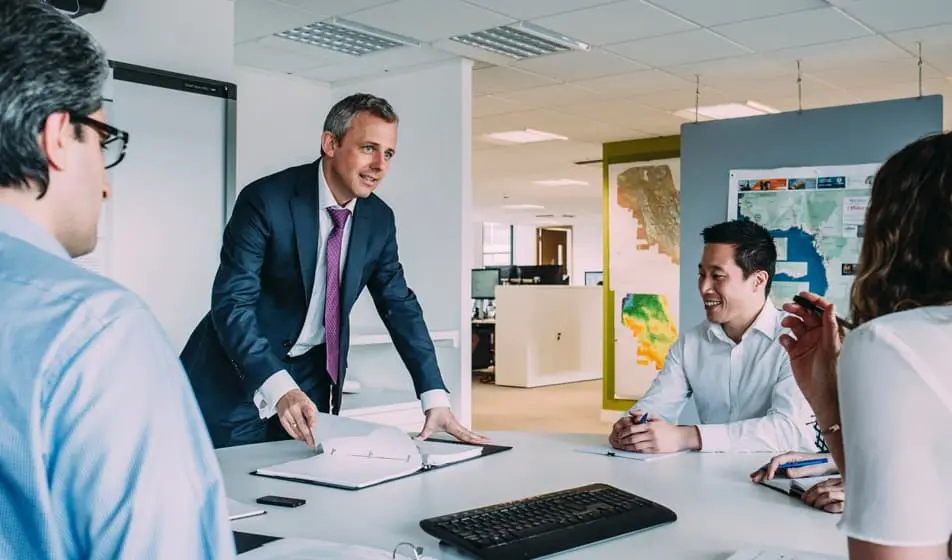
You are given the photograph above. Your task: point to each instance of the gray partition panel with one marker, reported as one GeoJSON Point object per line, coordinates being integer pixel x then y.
{"type": "Point", "coordinates": [173, 192]}
{"type": "Point", "coordinates": [852, 134]}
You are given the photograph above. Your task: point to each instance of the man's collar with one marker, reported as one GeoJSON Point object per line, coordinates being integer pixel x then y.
{"type": "Point", "coordinates": [326, 196]}
{"type": "Point", "coordinates": [767, 322]}
{"type": "Point", "coordinates": [15, 224]}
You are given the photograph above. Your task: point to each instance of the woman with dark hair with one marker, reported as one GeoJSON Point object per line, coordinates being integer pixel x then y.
{"type": "Point", "coordinates": [884, 404]}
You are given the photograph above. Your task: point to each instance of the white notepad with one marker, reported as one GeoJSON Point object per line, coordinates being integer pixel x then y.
{"type": "Point", "coordinates": [609, 451]}
{"type": "Point", "coordinates": [354, 454]}
{"type": "Point", "coordinates": [241, 510]}
{"type": "Point", "coordinates": [312, 549]}
{"type": "Point", "coordinates": [754, 553]}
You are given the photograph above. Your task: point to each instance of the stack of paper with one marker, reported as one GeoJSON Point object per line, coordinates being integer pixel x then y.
{"type": "Point", "coordinates": [241, 510]}
{"type": "Point", "coordinates": [753, 553]}
{"type": "Point", "coordinates": [310, 549]}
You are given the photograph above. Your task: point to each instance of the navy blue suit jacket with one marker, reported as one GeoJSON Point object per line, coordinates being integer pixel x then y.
{"type": "Point", "coordinates": [263, 287]}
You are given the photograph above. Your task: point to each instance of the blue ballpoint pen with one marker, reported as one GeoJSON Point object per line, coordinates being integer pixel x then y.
{"type": "Point", "coordinates": [797, 464]}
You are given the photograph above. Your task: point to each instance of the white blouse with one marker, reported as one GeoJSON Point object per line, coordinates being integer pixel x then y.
{"type": "Point", "coordinates": [895, 392]}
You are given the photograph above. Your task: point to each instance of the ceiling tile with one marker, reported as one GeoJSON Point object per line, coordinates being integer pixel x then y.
{"type": "Point", "coordinates": [896, 15]}
{"type": "Point", "coordinates": [715, 71]}
{"type": "Point", "coordinates": [815, 100]}
{"type": "Point", "coordinates": [428, 20]}
{"type": "Point", "coordinates": [529, 9]}
{"type": "Point", "coordinates": [376, 63]}
{"type": "Point", "coordinates": [254, 54]}
{"type": "Point", "coordinates": [330, 8]}
{"type": "Point", "coordinates": [679, 48]}
{"type": "Point", "coordinates": [900, 90]}
{"type": "Point", "coordinates": [873, 74]}
{"type": "Point", "coordinates": [762, 90]}
{"type": "Point", "coordinates": [710, 13]}
{"type": "Point", "coordinates": [548, 96]}
{"type": "Point", "coordinates": [486, 105]}
{"type": "Point", "coordinates": [259, 18]}
{"type": "Point", "coordinates": [579, 65]}
{"type": "Point", "coordinates": [625, 113]}
{"type": "Point", "coordinates": [936, 40]}
{"type": "Point", "coordinates": [851, 52]}
{"type": "Point", "coordinates": [675, 100]}
{"type": "Point", "coordinates": [499, 79]}
{"type": "Point", "coordinates": [626, 85]}
{"type": "Point", "coordinates": [615, 22]}
{"type": "Point", "coordinates": [793, 30]}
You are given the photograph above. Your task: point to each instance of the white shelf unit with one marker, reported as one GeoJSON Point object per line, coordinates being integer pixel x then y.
{"type": "Point", "coordinates": [386, 405]}
{"type": "Point", "coordinates": [384, 338]}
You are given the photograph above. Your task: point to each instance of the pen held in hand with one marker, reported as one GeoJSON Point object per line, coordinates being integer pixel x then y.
{"type": "Point", "coordinates": [811, 306]}
{"type": "Point", "coordinates": [798, 464]}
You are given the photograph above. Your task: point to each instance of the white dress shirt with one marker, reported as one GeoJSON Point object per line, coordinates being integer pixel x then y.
{"type": "Point", "coordinates": [746, 396]}
{"type": "Point", "coordinates": [895, 393]}
{"type": "Point", "coordinates": [312, 333]}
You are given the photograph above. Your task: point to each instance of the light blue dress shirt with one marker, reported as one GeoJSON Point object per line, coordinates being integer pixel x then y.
{"type": "Point", "coordinates": [103, 452]}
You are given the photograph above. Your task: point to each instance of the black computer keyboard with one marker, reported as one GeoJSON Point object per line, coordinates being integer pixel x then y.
{"type": "Point", "coordinates": [549, 523]}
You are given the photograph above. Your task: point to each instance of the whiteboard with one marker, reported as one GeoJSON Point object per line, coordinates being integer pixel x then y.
{"type": "Point", "coordinates": [172, 194]}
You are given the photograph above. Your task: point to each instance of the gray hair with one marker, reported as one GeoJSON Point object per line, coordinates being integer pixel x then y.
{"type": "Point", "coordinates": [342, 114]}
{"type": "Point", "coordinates": [50, 65]}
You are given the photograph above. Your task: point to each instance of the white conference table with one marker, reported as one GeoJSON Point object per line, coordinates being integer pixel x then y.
{"type": "Point", "coordinates": [719, 510]}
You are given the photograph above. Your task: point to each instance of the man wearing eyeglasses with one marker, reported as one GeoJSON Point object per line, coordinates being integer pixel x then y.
{"type": "Point", "coordinates": [103, 452]}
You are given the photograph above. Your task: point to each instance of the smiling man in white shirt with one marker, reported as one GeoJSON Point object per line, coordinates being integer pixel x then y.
{"type": "Point", "coordinates": [731, 363]}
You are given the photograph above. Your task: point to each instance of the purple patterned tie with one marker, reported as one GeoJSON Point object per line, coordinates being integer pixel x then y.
{"type": "Point", "coordinates": [332, 292]}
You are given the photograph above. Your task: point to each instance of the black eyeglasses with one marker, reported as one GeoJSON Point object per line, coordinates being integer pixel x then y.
{"type": "Point", "coordinates": [112, 140]}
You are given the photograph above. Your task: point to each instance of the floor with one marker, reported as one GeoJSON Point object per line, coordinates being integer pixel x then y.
{"type": "Point", "coordinates": [568, 408]}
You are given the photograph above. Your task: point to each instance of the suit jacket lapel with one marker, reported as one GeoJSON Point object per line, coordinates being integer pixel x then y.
{"type": "Point", "coordinates": [360, 231]}
{"type": "Point", "coordinates": [304, 208]}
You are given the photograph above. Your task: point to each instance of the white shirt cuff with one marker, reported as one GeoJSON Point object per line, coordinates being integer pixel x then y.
{"type": "Point", "coordinates": [267, 396]}
{"type": "Point", "coordinates": [436, 398]}
{"type": "Point", "coordinates": [714, 438]}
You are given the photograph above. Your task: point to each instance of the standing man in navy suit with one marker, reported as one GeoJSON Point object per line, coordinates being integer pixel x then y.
{"type": "Point", "coordinates": [299, 248]}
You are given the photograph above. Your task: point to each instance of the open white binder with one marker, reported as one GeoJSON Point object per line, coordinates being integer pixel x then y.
{"type": "Point", "coordinates": [354, 454]}
{"type": "Point", "coordinates": [312, 549]}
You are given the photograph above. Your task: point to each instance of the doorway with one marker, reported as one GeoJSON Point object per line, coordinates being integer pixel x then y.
{"type": "Point", "coordinates": [552, 247]}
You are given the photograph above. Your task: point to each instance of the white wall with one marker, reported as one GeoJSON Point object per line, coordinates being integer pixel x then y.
{"type": "Point", "coordinates": [280, 118]}
{"type": "Point", "coordinates": [429, 188]}
{"type": "Point", "coordinates": [523, 244]}
{"type": "Point", "coordinates": [188, 36]}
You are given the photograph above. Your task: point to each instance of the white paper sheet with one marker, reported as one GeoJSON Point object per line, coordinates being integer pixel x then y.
{"type": "Point", "coordinates": [310, 549]}
{"type": "Point", "coordinates": [753, 553]}
{"type": "Point", "coordinates": [611, 452]}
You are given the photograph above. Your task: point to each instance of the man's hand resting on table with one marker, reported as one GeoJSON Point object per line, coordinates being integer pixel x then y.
{"type": "Point", "coordinates": [298, 415]}
{"type": "Point", "coordinates": [441, 419]}
{"type": "Point", "coordinates": [652, 436]}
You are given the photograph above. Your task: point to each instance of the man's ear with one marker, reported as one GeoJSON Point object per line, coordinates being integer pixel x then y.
{"type": "Point", "coordinates": [760, 279]}
{"type": "Point", "coordinates": [328, 143]}
{"type": "Point", "coordinates": [54, 138]}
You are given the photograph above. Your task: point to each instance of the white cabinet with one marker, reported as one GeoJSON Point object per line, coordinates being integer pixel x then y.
{"type": "Point", "coordinates": [547, 335]}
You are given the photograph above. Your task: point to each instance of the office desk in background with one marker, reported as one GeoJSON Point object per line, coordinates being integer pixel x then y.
{"type": "Point", "coordinates": [719, 509]}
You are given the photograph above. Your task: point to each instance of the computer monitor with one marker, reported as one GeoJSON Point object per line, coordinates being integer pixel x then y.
{"type": "Point", "coordinates": [593, 278]}
{"type": "Point", "coordinates": [484, 282]}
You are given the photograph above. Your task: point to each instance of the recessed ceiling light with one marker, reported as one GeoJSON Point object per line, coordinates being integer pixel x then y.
{"type": "Point", "coordinates": [727, 111]}
{"type": "Point", "coordinates": [560, 182]}
{"type": "Point", "coordinates": [525, 136]}
{"type": "Point", "coordinates": [523, 207]}
{"type": "Point", "coordinates": [347, 37]}
{"type": "Point", "coordinates": [520, 40]}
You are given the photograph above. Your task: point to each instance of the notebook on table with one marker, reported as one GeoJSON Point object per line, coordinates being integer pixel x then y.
{"type": "Point", "coordinates": [354, 454]}
{"type": "Point", "coordinates": [609, 451]}
{"type": "Point", "coordinates": [754, 553]}
{"type": "Point", "coordinates": [796, 486]}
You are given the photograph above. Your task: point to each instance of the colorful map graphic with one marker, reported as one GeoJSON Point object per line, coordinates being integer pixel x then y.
{"type": "Point", "coordinates": [649, 192]}
{"type": "Point", "coordinates": [648, 318]}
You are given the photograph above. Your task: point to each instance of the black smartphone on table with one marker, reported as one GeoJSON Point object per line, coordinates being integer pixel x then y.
{"type": "Point", "coordinates": [282, 501]}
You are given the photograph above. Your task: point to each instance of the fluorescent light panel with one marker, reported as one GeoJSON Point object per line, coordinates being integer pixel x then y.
{"type": "Point", "coordinates": [560, 182]}
{"type": "Point", "coordinates": [525, 136]}
{"type": "Point", "coordinates": [523, 207]}
{"type": "Point", "coordinates": [347, 37]}
{"type": "Point", "coordinates": [727, 111]}
{"type": "Point", "coordinates": [520, 40]}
